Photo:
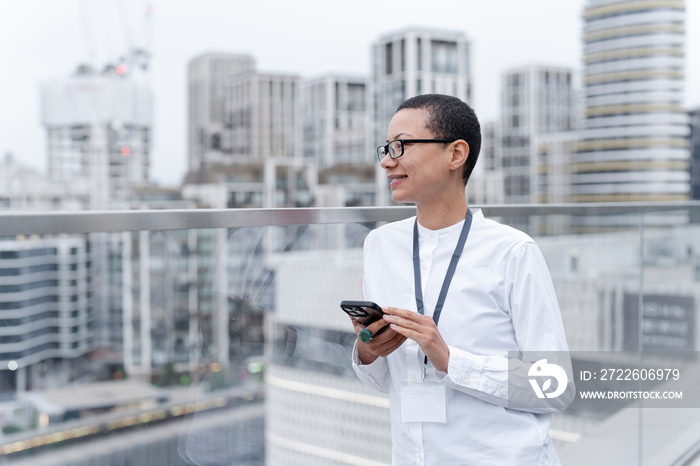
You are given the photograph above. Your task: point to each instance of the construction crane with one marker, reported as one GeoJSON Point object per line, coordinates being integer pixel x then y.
{"type": "Point", "coordinates": [124, 45]}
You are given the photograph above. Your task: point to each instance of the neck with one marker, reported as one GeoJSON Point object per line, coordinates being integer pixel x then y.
{"type": "Point", "coordinates": [442, 215]}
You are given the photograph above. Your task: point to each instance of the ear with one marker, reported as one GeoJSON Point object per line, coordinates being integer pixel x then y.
{"type": "Point", "coordinates": [460, 154]}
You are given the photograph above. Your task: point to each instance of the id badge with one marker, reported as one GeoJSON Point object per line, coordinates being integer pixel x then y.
{"type": "Point", "coordinates": [426, 402]}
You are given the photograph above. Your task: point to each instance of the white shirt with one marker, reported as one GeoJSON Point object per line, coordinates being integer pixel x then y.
{"type": "Point", "coordinates": [501, 299]}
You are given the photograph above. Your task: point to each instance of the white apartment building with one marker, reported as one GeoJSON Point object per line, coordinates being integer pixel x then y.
{"type": "Point", "coordinates": [486, 181]}
{"type": "Point", "coordinates": [695, 153]}
{"type": "Point", "coordinates": [635, 143]}
{"type": "Point", "coordinates": [46, 309]}
{"type": "Point", "coordinates": [334, 120]}
{"type": "Point", "coordinates": [535, 100]}
{"type": "Point", "coordinates": [262, 117]}
{"type": "Point", "coordinates": [334, 137]}
{"type": "Point", "coordinates": [98, 128]}
{"type": "Point", "coordinates": [23, 188]}
{"type": "Point", "coordinates": [207, 80]}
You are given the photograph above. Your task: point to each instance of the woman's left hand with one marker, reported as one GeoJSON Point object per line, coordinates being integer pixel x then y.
{"type": "Point", "coordinates": [421, 329]}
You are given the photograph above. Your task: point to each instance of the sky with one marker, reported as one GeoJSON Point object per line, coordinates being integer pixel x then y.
{"type": "Point", "coordinates": [45, 39]}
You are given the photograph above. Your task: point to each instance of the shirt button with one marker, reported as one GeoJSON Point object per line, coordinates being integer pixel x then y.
{"type": "Point", "coordinates": [432, 235]}
{"type": "Point", "coordinates": [466, 379]}
{"type": "Point", "coordinates": [500, 391]}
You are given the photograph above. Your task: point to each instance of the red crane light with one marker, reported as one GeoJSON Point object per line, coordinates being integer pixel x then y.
{"type": "Point", "coordinates": [126, 150]}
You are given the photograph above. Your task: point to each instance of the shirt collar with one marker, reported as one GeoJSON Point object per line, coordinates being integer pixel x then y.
{"type": "Point", "coordinates": [447, 232]}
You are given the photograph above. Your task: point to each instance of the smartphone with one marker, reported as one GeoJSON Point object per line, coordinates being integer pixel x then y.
{"type": "Point", "coordinates": [365, 312]}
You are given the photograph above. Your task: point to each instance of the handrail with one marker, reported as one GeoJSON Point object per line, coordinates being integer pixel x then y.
{"type": "Point", "coordinates": [14, 223]}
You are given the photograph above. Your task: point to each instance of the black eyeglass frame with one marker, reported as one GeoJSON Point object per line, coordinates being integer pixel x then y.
{"type": "Point", "coordinates": [385, 147]}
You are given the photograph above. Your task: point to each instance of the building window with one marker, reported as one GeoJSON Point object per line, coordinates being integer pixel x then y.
{"type": "Point", "coordinates": [444, 57]}
{"type": "Point", "coordinates": [388, 58]}
{"type": "Point", "coordinates": [419, 57]}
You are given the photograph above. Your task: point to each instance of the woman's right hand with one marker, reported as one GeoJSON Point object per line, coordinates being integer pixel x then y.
{"type": "Point", "coordinates": [380, 345]}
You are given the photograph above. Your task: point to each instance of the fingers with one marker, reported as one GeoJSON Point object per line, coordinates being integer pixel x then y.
{"type": "Point", "coordinates": [386, 343]}
{"type": "Point", "coordinates": [405, 314]}
{"type": "Point", "coordinates": [375, 326]}
{"type": "Point", "coordinates": [411, 321]}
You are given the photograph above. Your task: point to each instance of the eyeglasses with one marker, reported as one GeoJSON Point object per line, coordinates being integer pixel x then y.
{"type": "Point", "coordinates": [395, 148]}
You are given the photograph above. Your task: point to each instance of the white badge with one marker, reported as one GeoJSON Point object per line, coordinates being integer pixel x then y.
{"type": "Point", "coordinates": [426, 402]}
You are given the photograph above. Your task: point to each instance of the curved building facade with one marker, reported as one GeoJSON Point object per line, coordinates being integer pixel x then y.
{"type": "Point", "coordinates": [635, 143]}
{"type": "Point", "coordinates": [47, 319]}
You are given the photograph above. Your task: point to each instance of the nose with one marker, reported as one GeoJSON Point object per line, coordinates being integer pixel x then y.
{"type": "Point", "coordinates": [388, 162]}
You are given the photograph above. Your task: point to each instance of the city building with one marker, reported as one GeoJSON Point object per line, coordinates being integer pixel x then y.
{"type": "Point", "coordinates": [634, 145]}
{"type": "Point", "coordinates": [695, 154]}
{"type": "Point", "coordinates": [24, 188]}
{"type": "Point", "coordinates": [486, 181]}
{"type": "Point", "coordinates": [535, 100]}
{"type": "Point", "coordinates": [46, 288]}
{"type": "Point", "coordinates": [262, 117]}
{"type": "Point", "coordinates": [207, 79]}
{"type": "Point", "coordinates": [334, 136]}
{"type": "Point", "coordinates": [47, 309]}
{"type": "Point", "coordinates": [554, 152]}
{"type": "Point", "coordinates": [318, 412]}
{"type": "Point", "coordinates": [334, 120]}
{"type": "Point", "coordinates": [98, 129]}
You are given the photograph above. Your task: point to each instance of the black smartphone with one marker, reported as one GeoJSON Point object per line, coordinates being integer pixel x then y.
{"type": "Point", "coordinates": [365, 312]}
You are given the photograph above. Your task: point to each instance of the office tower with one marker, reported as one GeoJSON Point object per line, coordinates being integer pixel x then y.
{"type": "Point", "coordinates": [334, 120]}
{"type": "Point", "coordinates": [46, 309]}
{"type": "Point", "coordinates": [695, 153]}
{"type": "Point", "coordinates": [486, 182]}
{"type": "Point", "coordinates": [411, 62]}
{"type": "Point", "coordinates": [635, 143]}
{"type": "Point", "coordinates": [23, 188]}
{"type": "Point", "coordinates": [535, 100]}
{"type": "Point", "coordinates": [207, 78]}
{"type": "Point", "coordinates": [554, 151]}
{"type": "Point", "coordinates": [334, 136]}
{"type": "Point", "coordinates": [262, 117]}
{"type": "Point", "coordinates": [261, 160]}
{"type": "Point", "coordinates": [98, 128]}
{"type": "Point", "coordinates": [317, 410]}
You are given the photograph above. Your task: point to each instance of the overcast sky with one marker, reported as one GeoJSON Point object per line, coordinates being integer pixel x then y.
{"type": "Point", "coordinates": [41, 39]}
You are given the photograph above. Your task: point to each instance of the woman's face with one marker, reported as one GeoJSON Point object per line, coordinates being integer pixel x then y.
{"type": "Point", "coordinates": [420, 174]}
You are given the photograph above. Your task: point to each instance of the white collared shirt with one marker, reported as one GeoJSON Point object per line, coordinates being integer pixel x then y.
{"type": "Point", "coordinates": [501, 299]}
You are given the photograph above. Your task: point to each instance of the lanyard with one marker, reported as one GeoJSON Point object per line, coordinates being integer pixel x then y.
{"type": "Point", "coordinates": [450, 269]}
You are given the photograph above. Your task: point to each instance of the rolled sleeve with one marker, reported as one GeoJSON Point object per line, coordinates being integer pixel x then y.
{"type": "Point", "coordinates": [376, 374]}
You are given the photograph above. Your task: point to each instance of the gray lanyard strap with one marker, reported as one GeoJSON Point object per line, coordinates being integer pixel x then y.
{"type": "Point", "coordinates": [450, 269]}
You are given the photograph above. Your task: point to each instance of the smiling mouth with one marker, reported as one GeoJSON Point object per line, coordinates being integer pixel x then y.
{"type": "Point", "coordinates": [396, 180]}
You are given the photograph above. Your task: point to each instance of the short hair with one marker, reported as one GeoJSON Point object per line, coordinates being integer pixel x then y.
{"type": "Point", "coordinates": [450, 118]}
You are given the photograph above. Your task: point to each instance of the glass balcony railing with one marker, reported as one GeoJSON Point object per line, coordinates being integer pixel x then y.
{"type": "Point", "coordinates": [207, 337]}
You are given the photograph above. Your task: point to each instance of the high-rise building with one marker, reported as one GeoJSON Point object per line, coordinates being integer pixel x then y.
{"type": "Point", "coordinates": [411, 62]}
{"type": "Point", "coordinates": [334, 120]}
{"type": "Point", "coordinates": [486, 181]}
{"type": "Point", "coordinates": [98, 128]}
{"type": "Point", "coordinates": [48, 318]}
{"type": "Point", "coordinates": [535, 100]}
{"type": "Point", "coordinates": [262, 117]}
{"type": "Point", "coordinates": [695, 154]}
{"type": "Point", "coordinates": [635, 143]}
{"type": "Point", "coordinates": [259, 159]}
{"type": "Point", "coordinates": [334, 137]}
{"type": "Point", "coordinates": [207, 80]}
{"type": "Point", "coordinates": [23, 188]}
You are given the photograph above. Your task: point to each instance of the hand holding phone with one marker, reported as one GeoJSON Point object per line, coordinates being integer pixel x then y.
{"type": "Point", "coordinates": [364, 312]}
